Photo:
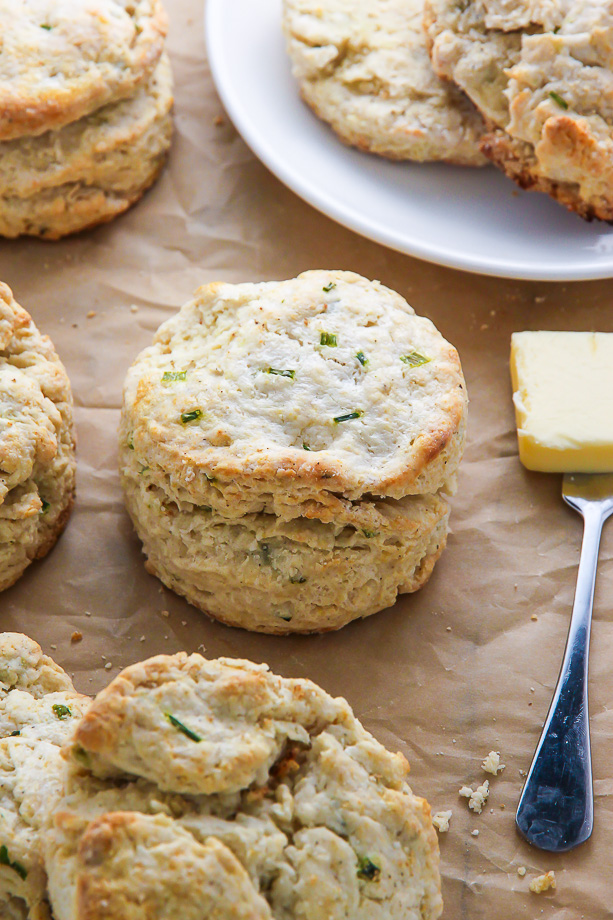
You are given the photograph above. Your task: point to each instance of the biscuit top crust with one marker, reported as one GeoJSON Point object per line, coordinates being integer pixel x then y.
{"type": "Point", "coordinates": [328, 383]}
{"type": "Point", "coordinates": [194, 726]}
{"type": "Point", "coordinates": [35, 405]}
{"type": "Point", "coordinates": [61, 59]}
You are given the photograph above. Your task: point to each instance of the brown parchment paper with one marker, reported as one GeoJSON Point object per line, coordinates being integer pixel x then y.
{"type": "Point", "coordinates": [446, 675]}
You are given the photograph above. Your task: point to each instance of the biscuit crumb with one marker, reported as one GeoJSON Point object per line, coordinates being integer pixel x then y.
{"type": "Point", "coordinates": [91, 314]}
{"type": "Point", "coordinates": [218, 121]}
{"type": "Point", "coordinates": [543, 882]}
{"type": "Point", "coordinates": [165, 613]}
{"type": "Point", "coordinates": [142, 639]}
{"type": "Point", "coordinates": [534, 617]}
{"type": "Point", "coordinates": [77, 636]}
{"type": "Point", "coordinates": [492, 764]}
{"type": "Point", "coordinates": [477, 797]}
{"type": "Point", "coordinates": [475, 833]}
{"type": "Point", "coordinates": [133, 308]}
{"type": "Point", "coordinates": [521, 871]}
{"type": "Point", "coordinates": [108, 666]}
{"type": "Point", "coordinates": [441, 821]}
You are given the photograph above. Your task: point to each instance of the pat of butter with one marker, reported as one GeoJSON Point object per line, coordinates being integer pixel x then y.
{"type": "Point", "coordinates": [563, 395]}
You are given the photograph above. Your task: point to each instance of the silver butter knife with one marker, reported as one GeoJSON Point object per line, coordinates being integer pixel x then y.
{"type": "Point", "coordinates": [556, 808]}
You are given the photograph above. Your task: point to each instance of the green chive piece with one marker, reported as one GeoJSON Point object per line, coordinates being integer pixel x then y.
{"type": "Point", "coordinates": [357, 413]}
{"type": "Point", "coordinates": [81, 755]}
{"type": "Point", "coordinates": [328, 338]}
{"type": "Point", "coordinates": [362, 358]}
{"type": "Point", "coordinates": [192, 416]}
{"type": "Point", "coordinates": [45, 506]}
{"type": "Point", "coordinates": [47, 28]}
{"type": "Point", "coordinates": [329, 286]}
{"type": "Point", "coordinates": [283, 617]}
{"type": "Point", "coordinates": [414, 359]}
{"type": "Point", "coordinates": [558, 100]}
{"type": "Point", "coordinates": [172, 376]}
{"type": "Point", "coordinates": [130, 444]}
{"type": "Point", "coordinates": [5, 860]}
{"type": "Point", "coordinates": [143, 469]}
{"type": "Point", "coordinates": [370, 533]}
{"type": "Point", "coordinates": [182, 728]}
{"type": "Point", "coordinates": [15, 734]}
{"type": "Point", "coordinates": [305, 446]}
{"type": "Point", "coordinates": [61, 711]}
{"type": "Point", "coordinates": [297, 580]}
{"type": "Point", "coordinates": [274, 370]}
{"type": "Point", "coordinates": [368, 870]}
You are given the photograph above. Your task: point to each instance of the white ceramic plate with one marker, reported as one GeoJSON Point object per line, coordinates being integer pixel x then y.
{"type": "Point", "coordinates": [474, 219]}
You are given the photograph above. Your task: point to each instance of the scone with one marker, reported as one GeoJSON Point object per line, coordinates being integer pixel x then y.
{"type": "Point", "coordinates": [200, 788]}
{"type": "Point", "coordinates": [540, 74]}
{"type": "Point", "coordinates": [37, 455]}
{"type": "Point", "coordinates": [62, 59]}
{"type": "Point", "coordinates": [363, 67]}
{"type": "Point", "coordinates": [91, 170]}
{"type": "Point", "coordinates": [38, 710]}
{"type": "Point", "coordinates": [284, 446]}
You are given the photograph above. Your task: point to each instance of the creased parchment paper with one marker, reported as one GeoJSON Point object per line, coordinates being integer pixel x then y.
{"type": "Point", "coordinates": [450, 673]}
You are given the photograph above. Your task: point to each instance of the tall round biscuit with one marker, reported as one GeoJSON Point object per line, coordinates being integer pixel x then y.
{"type": "Point", "coordinates": [261, 397]}
{"type": "Point", "coordinates": [91, 170]}
{"type": "Point", "coordinates": [363, 67]}
{"type": "Point", "coordinates": [62, 59]}
{"type": "Point", "coordinates": [37, 451]}
{"type": "Point", "coordinates": [321, 822]}
{"type": "Point", "coordinates": [540, 74]}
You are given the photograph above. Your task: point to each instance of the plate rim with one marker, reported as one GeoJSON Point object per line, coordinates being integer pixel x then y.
{"type": "Point", "coordinates": [213, 18]}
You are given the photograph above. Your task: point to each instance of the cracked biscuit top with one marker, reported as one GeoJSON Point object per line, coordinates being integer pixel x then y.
{"type": "Point", "coordinates": [324, 385]}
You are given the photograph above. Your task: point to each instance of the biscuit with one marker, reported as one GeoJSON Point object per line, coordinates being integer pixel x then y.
{"type": "Point", "coordinates": [363, 67]}
{"type": "Point", "coordinates": [308, 815]}
{"type": "Point", "coordinates": [260, 397]}
{"type": "Point", "coordinates": [540, 74]}
{"type": "Point", "coordinates": [282, 447]}
{"type": "Point", "coordinates": [37, 458]}
{"type": "Point", "coordinates": [38, 709]}
{"type": "Point", "coordinates": [91, 170]}
{"type": "Point", "coordinates": [62, 59]}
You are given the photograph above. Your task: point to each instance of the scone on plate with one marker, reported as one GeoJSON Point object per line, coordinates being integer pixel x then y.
{"type": "Point", "coordinates": [363, 67]}
{"type": "Point", "coordinates": [37, 451]}
{"type": "Point", "coordinates": [284, 448]}
{"type": "Point", "coordinates": [540, 74]}
{"type": "Point", "coordinates": [39, 708]}
{"type": "Point", "coordinates": [91, 170]}
{"type": "Point", "coordinates": [200, 788]}
{"type": "Point", "coordinates": [85, 111]}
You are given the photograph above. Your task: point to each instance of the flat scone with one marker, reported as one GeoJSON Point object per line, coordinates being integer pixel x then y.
{"type": "Point", "coordinates": [283, 447]}
{"type": "Point", "coordinates": [234, 794]}
{"type": "Point", "coordinates": [62, 59]}
{"type": "Point", "coordinates": [540, 73]}
{"type": "Point", "coordinates": [37, 456]}
{"type": "Point", "coordinates": [363, 67]}
{"type": "Point", "coordinates": [38, 710]}
{"type": "Point", "coordinates": [91, 170]}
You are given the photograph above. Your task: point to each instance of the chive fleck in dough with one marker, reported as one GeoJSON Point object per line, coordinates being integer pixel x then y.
{"type": "Point", "coordinates": [62, 59]}
{"type": "Point", "coordinates": [540, 73]}
{"type": "Point", "coordinates": [37, 456]}
{"type": "Point", "coordinates": [91, 170]}
{"type": "Point", "coordinates": [363, 67]}
{"type": "Point", "coordinates": [283, 447]}
{"type": "Point", "coordinates": [294, 811]}
{"type": "Point", "coordinates": [38, 710]}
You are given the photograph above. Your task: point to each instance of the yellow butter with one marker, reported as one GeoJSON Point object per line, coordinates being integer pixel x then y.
{"type": "Point", "coordinates": [563, 395]}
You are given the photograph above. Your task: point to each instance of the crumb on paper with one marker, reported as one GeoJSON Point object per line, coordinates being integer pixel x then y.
{"type": "Point", "coordinates": [108, 666]}
{"type": "Point", "coordinates": [165, 613]}
{"type": "Point", "coordinates": [441, 821]}
{"type": "Point", "coordinates": [77, 636]}
{"type": "Point", "coordinates": [218, 121]}
{"type": "Point", "coordinates": [475, 833]}
{"type": "Point", "coordinates": [521, 871]}
{"type": "Point", "coordinates": [543, 882]}
{"type": "Point", "coordinates": [87, 613]}
{"type": "Point", "coordinates": [476, 797]}
{"type": "Point", "coordinates": [449, 629]}
{"type": "Point", "coordinates": [492, 764]}
{"type": "Point", "coordinates": [142, 639]}
{"type": "Point", "coordinates": [534, 617]}
{"type": "Point", "coordinates": [53, 646]}
{"type": "Point", "coordinates": [91, 314]}
{"type": "Point", "coordinates": [502, 807]}
{"type": "Point", "coordinates": [133, 308]}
